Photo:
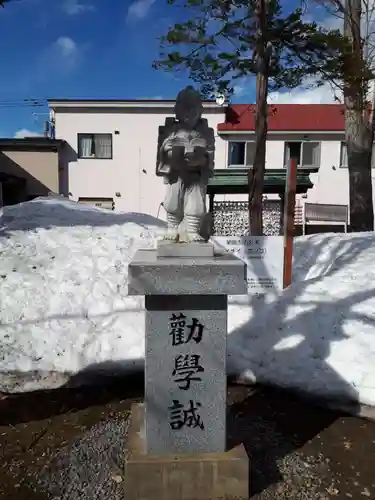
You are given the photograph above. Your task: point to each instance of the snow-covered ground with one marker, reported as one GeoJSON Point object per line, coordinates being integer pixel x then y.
{"type": "Point", "coordinates": [65, 314]}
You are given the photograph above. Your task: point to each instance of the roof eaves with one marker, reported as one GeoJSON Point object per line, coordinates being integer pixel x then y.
{"type": "Point", "coordinates": [224, 130]}
{"type": "Point", "coordinates": [118, 103]}
{"type": "Point", "coordinates": [31, 143]}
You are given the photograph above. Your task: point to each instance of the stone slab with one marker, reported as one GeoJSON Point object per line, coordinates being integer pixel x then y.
{"type": "Point", "coordinates": [185, 250]}
{"type": "Point", "coordinates": [185, 377]}
{"type": "Point", "coordinates": [224, 274]}
{"type": "Point", "coordinates": [207, 476]}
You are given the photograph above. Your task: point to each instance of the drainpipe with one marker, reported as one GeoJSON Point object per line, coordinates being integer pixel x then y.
{"type": "Point", "coordinates": [46, 128]}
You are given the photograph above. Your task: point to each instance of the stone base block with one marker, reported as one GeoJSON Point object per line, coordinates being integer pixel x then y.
{"type": "Point", "coordinates": [206, 476]}
{"type": "Point", "coordinates": [149, 274]}
{"type": "Point", "coordinates": [185, 250]}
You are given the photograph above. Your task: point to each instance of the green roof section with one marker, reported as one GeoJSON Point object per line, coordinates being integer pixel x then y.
{"type": "Point", "coordinates": [234, 180]}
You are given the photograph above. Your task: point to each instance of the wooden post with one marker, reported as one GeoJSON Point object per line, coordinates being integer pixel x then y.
{"type": "Point", "coordinates": [211, 198]}
{"type": "Point", "coordinates": [211, 219]}
{"type": "Point", "coordinates": [289, 208]}
{"type": "Point", "coordinates": [281, 205]}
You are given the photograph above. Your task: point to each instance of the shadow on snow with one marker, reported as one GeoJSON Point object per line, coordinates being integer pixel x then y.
{"type": "Point", "coordinates": [269, 412]}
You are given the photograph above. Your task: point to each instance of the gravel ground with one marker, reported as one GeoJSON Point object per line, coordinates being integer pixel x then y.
{"type": "Point", "coordinates": [91, 467]}
{"type": "Point", "coordinates": [67, 445]}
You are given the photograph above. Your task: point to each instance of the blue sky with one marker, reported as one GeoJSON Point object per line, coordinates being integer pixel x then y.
{"type": "Point", "coordinates": [82, 49]}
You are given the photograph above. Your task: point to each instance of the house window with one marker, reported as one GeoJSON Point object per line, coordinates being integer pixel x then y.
{"type": "Point", "coordinates": [308, 153]}
{"type": "Point", "coordinates": [241, 154]}
{"type": "Point", "coordinates": [344, 156]}
{"type": "Point", "coordinates": [95, 146]}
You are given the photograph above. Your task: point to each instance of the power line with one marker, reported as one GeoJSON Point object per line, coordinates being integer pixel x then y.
{"type": "Point", "coordinates": [25, 100]}
{"type": "Point", "coordinates": [20, 106]}
{"type": "Point", "coordinates": [23, 103]}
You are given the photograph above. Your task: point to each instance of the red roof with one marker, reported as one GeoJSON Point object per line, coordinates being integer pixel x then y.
{"type": "Point", "coordinates": [286, 117]}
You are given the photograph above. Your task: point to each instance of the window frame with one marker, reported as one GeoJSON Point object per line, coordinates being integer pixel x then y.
{"type": "Point", "coordinates": [299, 166]}
{"type": "Point", "coordinates": [343, 143]}
{"type": "Point", "coordinates": [341, 165]}
{"type": "Point", "coordinates": [93, 135]}
{"type": "Point", "coordinates": [233, 165]}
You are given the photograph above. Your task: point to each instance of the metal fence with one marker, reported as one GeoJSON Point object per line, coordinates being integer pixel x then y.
{"type": "Point", "coordinates": [231, 218]}
{"type": "Point", "coordinates": [324, 212]}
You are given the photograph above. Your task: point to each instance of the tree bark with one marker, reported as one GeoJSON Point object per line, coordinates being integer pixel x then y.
{"type": "Point", "coordinates": [256, 173]}
{"type": "Point", "coordinates": [359, 127]}
{"type": "Point", "coordinates": [359, 147]}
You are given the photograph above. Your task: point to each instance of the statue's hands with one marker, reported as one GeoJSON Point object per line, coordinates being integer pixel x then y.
{"type": "Point", "coordinates": [168, 145]}
{"type": "Point", "coordinates": [191, 160]}
{"type": "Point", "coordinates": [166, 150]}
{"type": "Point", "coordinates": [195, 158]}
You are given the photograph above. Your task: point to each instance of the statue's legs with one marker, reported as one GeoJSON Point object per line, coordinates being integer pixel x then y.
{"type": "Point", "coordinates": [194, 209]}
{"type": "Point", "coordinates": [173, 204]}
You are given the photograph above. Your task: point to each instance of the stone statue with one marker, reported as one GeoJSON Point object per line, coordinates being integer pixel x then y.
{"type": "Point", "coordinates": [185, 159]}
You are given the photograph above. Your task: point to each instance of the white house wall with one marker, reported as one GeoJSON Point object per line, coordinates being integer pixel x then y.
{"type": "Point", "coordinates": [331, 183]}
{"type": "Point", "coordinates": [131, 172]}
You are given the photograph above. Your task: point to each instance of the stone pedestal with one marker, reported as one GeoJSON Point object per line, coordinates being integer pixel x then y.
{"type": "Point", "coordinates": [186, 334]}
{"type": "Point", "coordinates": [185, 250]}
{"type": "Point", "coordinates": [223, 274]}
{"type": "Point", "coordinates": [197, 476]}
{"type": "Point", "coordinates": [185, 390]}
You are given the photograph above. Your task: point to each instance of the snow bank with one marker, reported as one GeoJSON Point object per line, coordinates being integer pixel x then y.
{"type": "Point", "coordinates": [63, 291]}
{"type": "Point", "coordinates": [318, 336]}
{"type": "Point", "coordinates": [65, 314]}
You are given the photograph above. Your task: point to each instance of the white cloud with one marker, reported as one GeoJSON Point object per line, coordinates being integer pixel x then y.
{"type": "Point", "coordinates": [67, 46]}
{"type": "Point", "coordinates": [74, 7]}
{"type": "Point", "coordinates": [139, 9]}
{"type": "Point", "coordinates": [311, 95]}
{"type": "Point", "coordinates": [152, 98]}
{"type": "Point", "coordinates": [325, 94]}
{"type": "Point", "coordinates": [61, 58]}
{"type": "Point", "coordinates": [24, 132]}
{"type": "Point", "coordinates": [240, 89]}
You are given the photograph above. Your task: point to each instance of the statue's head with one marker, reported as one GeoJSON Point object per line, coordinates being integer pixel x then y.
{"type": "Point", "coordinates": [188, 108]}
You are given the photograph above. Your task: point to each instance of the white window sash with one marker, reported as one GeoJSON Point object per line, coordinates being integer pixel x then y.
{"type": "Point", "coordinates": [286, 154]}
{"type": "Point", "coordinates": [247, 163]}
{"type": "Point", "coordinates": [343, 155]}
{"type": "Point", "coordinates": [315, 154]}
{"type": "Point", "coordinates": [301, 164]}
{"type": "Point", "coordinates": [103, 146]}
{"type": "Point", "coordinates": [86, 146]}
{"type": "Point", "coordinates": [95, 146]}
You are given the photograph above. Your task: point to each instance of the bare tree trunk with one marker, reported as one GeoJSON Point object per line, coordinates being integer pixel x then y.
{"type": "Point", "coordinates": [359, 143]}
{"type": "Point", "coordinates": [256, 174]}
{"type": "Point", "coordinates": [359, 127]}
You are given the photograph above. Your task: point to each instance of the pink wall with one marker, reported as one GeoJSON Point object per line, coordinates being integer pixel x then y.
{"type": "Point", "coordinates": [131, 172]}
